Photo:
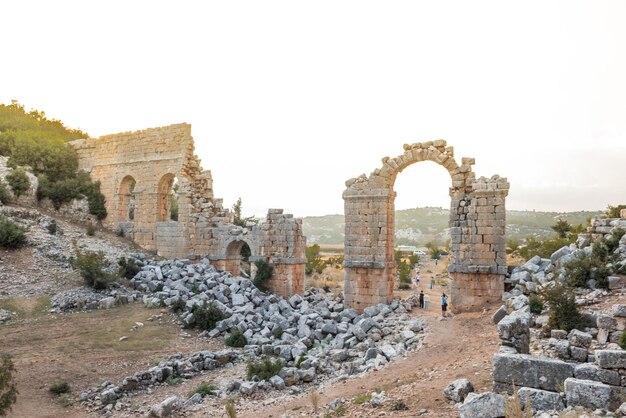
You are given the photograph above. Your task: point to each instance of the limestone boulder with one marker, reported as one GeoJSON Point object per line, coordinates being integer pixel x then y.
{"type": "Point", "coordinates": [458, 390]}
{"type": "Point", "coordinates": [483, 405]}
{"type": "Point", "coordinates": [166, 408]}
{"type": "Point", "coordinates": [541, 400]}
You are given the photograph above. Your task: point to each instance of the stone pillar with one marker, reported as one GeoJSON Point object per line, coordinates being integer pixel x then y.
{"type": "Point", "coordinates": [368, 259]}
{"type": "Point", "coordinates": [478, 242]}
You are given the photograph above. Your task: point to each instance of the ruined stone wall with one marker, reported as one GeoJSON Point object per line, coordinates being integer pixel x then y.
{"type": "Point", "coordinates": [137, 171]}
{"type": "Point", "coordinates": [477, 222]}
{"type": "Point", "coordinates": [151, 159]}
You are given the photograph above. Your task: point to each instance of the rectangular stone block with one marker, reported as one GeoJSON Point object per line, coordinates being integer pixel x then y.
{"type": "Point", "coordinates": [530, 371]}
{"type": "Point", "coordinates": [611, 359]}
{"type": "Point", "coordinates": [592, 395]}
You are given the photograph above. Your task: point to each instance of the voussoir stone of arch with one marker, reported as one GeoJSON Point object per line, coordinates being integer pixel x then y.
{"type": "Point", "coordinates": [477, 227]}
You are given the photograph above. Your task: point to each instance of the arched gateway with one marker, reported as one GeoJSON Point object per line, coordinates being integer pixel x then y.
{"type": "Point", "coordinates": [477, 229]}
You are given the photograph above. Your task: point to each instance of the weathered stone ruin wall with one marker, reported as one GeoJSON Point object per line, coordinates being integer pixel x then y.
{"type": "Point", "coordinates": [477, 225]}
{"type": "Point", "coordinates": [278, 240]}
{"type": "Point", "coordinates": [138, 171]}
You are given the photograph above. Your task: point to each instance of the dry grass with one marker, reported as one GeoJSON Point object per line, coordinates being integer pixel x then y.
{"type": "Point", "coordinates": [27, 308]}
{"type": "Point", "coordinates": [153, 336]}
{"type": "Point", "coordinates": [314, 397]}
{"type": "Point", "coordinates": [229, 407]}
{"type": "Point", "coordinates": [513, 406]}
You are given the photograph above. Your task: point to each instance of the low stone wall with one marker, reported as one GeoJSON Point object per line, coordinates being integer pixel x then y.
{"type": "Point", "coordinates": [599, 385]}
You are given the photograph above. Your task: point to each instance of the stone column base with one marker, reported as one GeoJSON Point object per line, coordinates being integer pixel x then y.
{"type": "Point", "coordinates": [364, 286]}
{"type": "Point", "coordinates": [470, 292]}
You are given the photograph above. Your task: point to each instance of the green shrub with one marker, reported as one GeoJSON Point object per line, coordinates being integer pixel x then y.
{"type": "Point", "coordinates": [263, 274]}
{"type": "Point", "coordinates": [361, 399]}
{"type": "Point", "coordinates": [278, 333]}
{"type": "Point", "coordinates": [77, 187]}
{"type": "Point", "coordinates": [173, 381]}
{"type": "Point", "coordinates": [59, 388]}
{"type": "Point", "coordinates": [579, 271]}
{"type": "Point", "coordinates": [8, 386]}
{"type": "Point", "coordinates": [128, 268]}
{"type": "Point", "coordinates": [301, 360]}
{"type": "Point", "coordinates": [564, 312]}
{"type": "Point", "coordinates": [178, 305]}
{"type": "Point", "coordinates": [236, 339]}
{"type": "Point", "coordinates": [398, 405]}
{"type": "Point", "coordinates": [92, 267]}
{"type": "Point", "coordinates": [52, 227]}
{"type": "Point", "coordinates": [535, 304]}
{"type": "Point", "coordinates": [404, 286]}
{"type": "Point", "coordinates": [264, 369]}
{"type": "Point", "coordinates": [622, 340]}
{"type": "Point", "coordinates": [5, 196]}
{"type": "Point", "coordinates": [12, 236]}
{"type": "Point", "coordinates": [206, 316]}
{"type": "Point", "coordinates": [91, 229]}
{"type": "Point", "coordinates": [18, 180]}
{"type": "Point", "coordinates": [314, 262]}
{"type": "Point", "coordinates": [204, 389]}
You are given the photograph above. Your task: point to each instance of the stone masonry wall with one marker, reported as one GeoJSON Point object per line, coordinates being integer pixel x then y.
{"type": "Point", "coordinates": [477, 222]}
{"type": "Point", "coordinates": [137, 171]}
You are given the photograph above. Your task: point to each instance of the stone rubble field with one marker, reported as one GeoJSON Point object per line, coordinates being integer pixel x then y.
{"type": "Point", "coordinates": [316, 338]}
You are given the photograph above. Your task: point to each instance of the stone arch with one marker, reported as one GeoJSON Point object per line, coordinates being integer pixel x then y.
{"type": "Point", "coordinates": [232, 254]}
{"type": "Point", "coordinates": [164, 190]}
{"type": "Point", "coordinates": [126, 199]}
{"type": "Point", "coordinates": [370, 230]}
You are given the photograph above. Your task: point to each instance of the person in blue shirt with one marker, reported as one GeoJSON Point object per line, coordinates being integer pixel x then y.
{"type": "Point", "coordinates": [444, 304]}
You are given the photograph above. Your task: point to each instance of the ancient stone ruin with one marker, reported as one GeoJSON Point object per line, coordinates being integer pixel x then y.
{"type": "Point", "coordinates": [477, 229]}
{"type": "Point", "coordinates": [143, 174]}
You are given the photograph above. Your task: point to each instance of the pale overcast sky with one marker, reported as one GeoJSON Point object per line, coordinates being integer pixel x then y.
{"type": "Point", "coordinates": [288, 99]}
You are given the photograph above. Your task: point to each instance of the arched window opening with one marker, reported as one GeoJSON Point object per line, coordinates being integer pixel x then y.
{"type": "Point", "coordinates": [165, 198]}
{"type": "Point", "coordinates": [126, 205]}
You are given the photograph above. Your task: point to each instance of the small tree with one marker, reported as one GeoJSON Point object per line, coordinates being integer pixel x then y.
{"type": "Point", "coordinates": [314, 262]}
{"type": "Point", "coordinates": [564, 312]}
{"type": "Point", "coordinates": [8, 387]}
{"type": "Point", "coordinates": [238, 219]}
{"type": "Point", "coordinates": [11, 235]}
{"type": "Point", "coordinates": [5, 197]}
{"type": "Point", "coordinates": [92, 267]}
{"type": "Point", "coordinates": [18, 180]}
{"type": "Point", "coordinates": [613, 211]}
{"type": "Point", "coordinates": [434, 251]}
{"type": "Point", "coordinates": [263, 274]}
{"type": "Point", "coordinates": [562, 227]}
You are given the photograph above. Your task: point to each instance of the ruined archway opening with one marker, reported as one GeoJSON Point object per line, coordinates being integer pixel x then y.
{"type": "Point", "coordinates": [126, 202]}
{"type": "Point", "coordinates": [167, 201]}
{"type": "Point", "coordinates": [420, 209]}
{"type": "Point", "coordinates": [238, 255]}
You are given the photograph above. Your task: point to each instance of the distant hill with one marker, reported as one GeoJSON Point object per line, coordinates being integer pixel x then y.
{"type": "Point", "coordinates": [421, 225]}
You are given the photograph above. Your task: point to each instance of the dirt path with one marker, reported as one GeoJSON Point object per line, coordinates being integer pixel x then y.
{"type": "Point", "coordinates": [461, 346]}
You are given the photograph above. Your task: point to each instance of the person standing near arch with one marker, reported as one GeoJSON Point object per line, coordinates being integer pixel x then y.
{"type": "Point", "coordinates": [444, 304]}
